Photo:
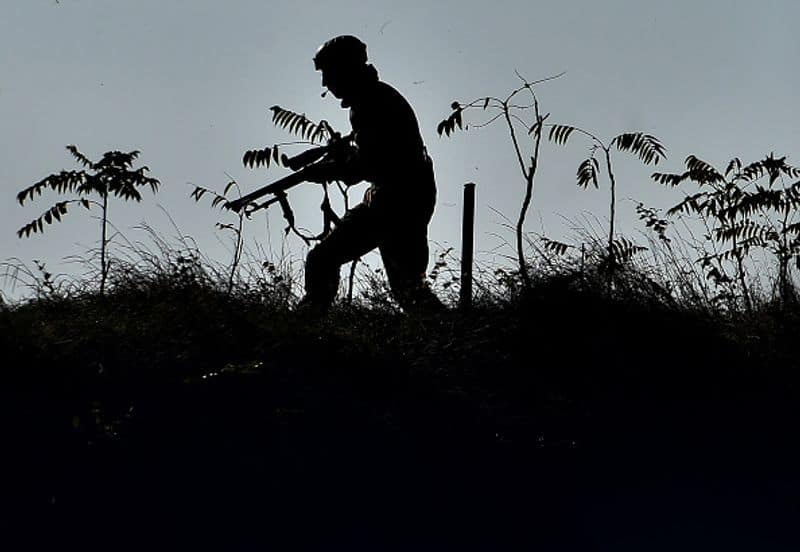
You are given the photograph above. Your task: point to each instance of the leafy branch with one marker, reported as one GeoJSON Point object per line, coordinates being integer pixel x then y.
{"type": "Point", "coordinates": [646, 147]}
{"type": "Point", "coordinates": [510, 113]}
{"type": "Point", "coordinates": [112, 175]}
{"type": "Point", "coordinates": [745, 213]}
{"type": "Point", "coordinates": [222, 201]}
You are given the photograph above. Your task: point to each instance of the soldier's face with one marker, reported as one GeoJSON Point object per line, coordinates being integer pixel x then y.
{"type": "Point", "coordinates": [335, 81]}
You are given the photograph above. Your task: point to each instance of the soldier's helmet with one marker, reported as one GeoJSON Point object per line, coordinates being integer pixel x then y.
{"type": "Point", "coordinates": [341, 52]}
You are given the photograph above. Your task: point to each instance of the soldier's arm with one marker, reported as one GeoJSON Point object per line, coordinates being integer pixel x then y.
{"type": "Point", "coordinates": [347, 166]}
{"type": "Point", "coordinates": [333, 171]}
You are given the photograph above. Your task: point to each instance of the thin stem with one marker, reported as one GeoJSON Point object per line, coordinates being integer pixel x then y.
{"type": "Point", "coordinates": [727, 203]}
{"type": "Point", "coordinates": [612, 214]}
{"type": "Point", "coordinates": [237, 253]}
{"type": "Point", "coordinates": [528, 197]}
{"type": "Point", "coordinates": [351, 281]}
{"type": "Point", "coordinates": [103, 243]}
{"type": "Point", "coordinates": [513, 133]}
{"type": "Point", "coordinates": [784, 269]}
{"type": "Point", "coordinates": [523, 267]}
{"type": "Point", "coordinates": [239, 246]}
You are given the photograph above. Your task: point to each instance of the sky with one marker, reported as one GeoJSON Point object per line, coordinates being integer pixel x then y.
{"type": "Point", "coordinates": [189, 83]}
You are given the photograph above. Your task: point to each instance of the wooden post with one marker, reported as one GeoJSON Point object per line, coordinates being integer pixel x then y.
{"type": "Point", "coordinates": [467, 238]}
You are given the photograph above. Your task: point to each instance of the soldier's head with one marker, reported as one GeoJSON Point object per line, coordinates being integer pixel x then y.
{"type": "Point", "coordinates": [343, 62]}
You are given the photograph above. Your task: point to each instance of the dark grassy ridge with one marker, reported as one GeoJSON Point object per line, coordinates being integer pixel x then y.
{"type": "Point", "coordinates": [172, 414]}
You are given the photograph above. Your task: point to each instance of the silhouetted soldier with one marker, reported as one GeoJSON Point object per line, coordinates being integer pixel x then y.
{"type": "Point", "coordinates": [389, 153]}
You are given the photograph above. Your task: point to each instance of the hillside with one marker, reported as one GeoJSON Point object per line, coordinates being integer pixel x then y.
{"type": "Point", "coordinates": [563, 417]}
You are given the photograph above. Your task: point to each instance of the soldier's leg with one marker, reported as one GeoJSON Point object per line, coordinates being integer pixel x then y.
{"type": "Point", "coordinates": [353, 237]}
{"type": "Point", "coordinates": [405, 258]}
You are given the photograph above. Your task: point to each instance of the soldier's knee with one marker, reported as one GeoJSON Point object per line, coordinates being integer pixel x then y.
{"type": "Point", "coordinates": [317, 259]}
{"type": "Point", "coordinates": [313, 256]}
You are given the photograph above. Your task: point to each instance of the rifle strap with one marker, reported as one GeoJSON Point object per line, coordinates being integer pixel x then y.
{"type": "Point", "coordinates": [288, 214]}
{"type": "Point", "coordinates": [329, 216]}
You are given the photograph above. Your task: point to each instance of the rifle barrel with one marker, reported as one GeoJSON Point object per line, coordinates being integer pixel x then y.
{"type": "Point", "coordinates": [280, 185]}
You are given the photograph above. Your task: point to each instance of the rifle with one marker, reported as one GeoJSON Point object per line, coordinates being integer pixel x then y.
{"type": "Point", "coordinates": [301, 164]}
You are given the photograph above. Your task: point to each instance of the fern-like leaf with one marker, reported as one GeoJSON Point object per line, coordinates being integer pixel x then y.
{"type": "Point", "coordinates": [753, 171]}
{"type": "Point", "coordinates": [65, 181]}
{"type": "Point", "coordinates": [262, 158]}
{"type": "Point", "coordinates": [198, 193]}
{"type": "Point", "coordinates": [793, 229]}
{"type": "Point", "coordinates": [690, 205]}
{"type": "Point", "coordinates": [126, 189]}
{"type": "Point", "coordinates": [296, 123]}
{"type": "Point", "coordinates": [669, 179]}
{"type": "Point", "coordinates": [54, 213]}
{"type": "Point", "coordinates": [93, 183]}
{"type": "Point", "coordinates": [82, 159]}
{"type": "Point", "coordinates": [219, 200]}
{"type": "Point", "coordinates": [449, 125]}
{"type": "Point", "coordinates": [556, 247]}
{"type": "Point", "coordinates": [734, 167]}
{"type": "Point", "coordinates": [748, 203]}
{"type": "Point", "coordinates": [646, 146]}
{"type": "Point", "coordinates": [651, 219]}
{"type": "Point", "coordinates": [116, 160]}
{"type": "Point", "coordinates": [695, 163]}
{"type": "Point", "coordinates": [741, 250]}
{"type": "Point", "coordinates": [775, 167]}
{"type": "Point", "coordinates": [623, 250]}
{"type": "Point", "coordinates": [560, 133]}
{"type": "Point", "coordinates": [790, 198]}
{"type": "Point", "coordinates": [322, 132]}
{"type": "Point", "coordinates": [587, 173]}
{"type": "Point", "coordinates": [745, 231]}
{"type": "Point", "coordinates": [701, 172]}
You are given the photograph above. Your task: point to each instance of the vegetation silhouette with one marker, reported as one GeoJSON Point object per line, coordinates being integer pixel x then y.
{"type": "Point", "coordinates": [186, 401]}
{"type": "Point", "coordinates": [645, 146]}
{"type": "Point", "coordinates": [112, 175]}
{"type": "Point", "coordinates": [741, 214]}
{"type": "Point", "coordinates": [177, 400]}
{"type": "Point", "coordinates": [510, 113]}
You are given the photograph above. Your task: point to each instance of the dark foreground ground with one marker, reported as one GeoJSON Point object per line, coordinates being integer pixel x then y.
{"type": "Point", "coordinates": [563, 422]}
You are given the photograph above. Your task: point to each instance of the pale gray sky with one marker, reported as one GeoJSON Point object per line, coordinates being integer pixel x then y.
{"type": "Point", "coordinates": [189, 83]}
